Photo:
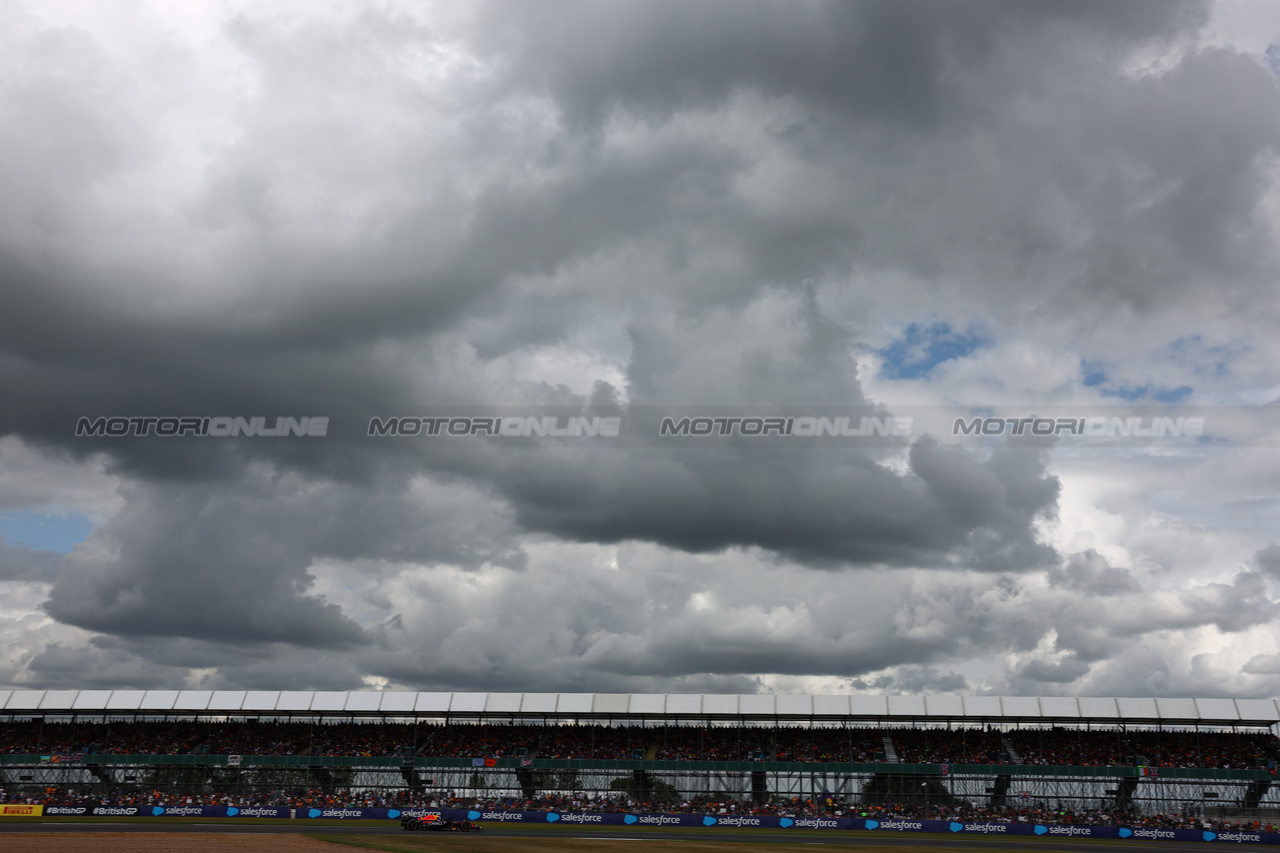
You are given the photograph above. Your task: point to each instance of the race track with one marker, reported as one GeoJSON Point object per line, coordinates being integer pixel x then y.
{"type": "Point", "coordinates": [842, 839]}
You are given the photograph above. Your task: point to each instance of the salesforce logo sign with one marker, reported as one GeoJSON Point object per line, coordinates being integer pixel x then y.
{"type": "Point", "coordinates": [156, 811]}
{"type": "Point", "coordinates": [871, 824]}
{"type": "Point", "coordinates": [630, 819]}
{"type": "Point", "coordinates": [1239, 836]}
{"type": "Point", "coordinates": [314, 813]}
{"type": "Point", "coordinates": [957, 827]}
{"type": "Point", "coordinates": [473, 815]}
{"type": "Point", "coordinates": [1125, 832]}
{"type": "Point", "coordinates": [393, 813]}
{"type": "Point", "coordinates": [785, 822]}
{"type": "Point", "coordinates": [552, 817]}
{"type": "Point", "coordinates": [708, 821]}
{"type": "Point", "coordinates": [1041, 830]}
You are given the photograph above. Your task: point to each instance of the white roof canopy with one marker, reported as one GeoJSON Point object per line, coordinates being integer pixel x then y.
{"type": "Point", "coordinates": [888, 710]}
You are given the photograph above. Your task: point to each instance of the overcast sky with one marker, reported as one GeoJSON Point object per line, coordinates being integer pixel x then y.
{"type": "Point", "coordinates": [622, 208]}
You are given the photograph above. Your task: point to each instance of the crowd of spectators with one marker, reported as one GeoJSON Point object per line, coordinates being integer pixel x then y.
{"type": "Point", "coordinates": [134, 738]}
{"type": "Point", "coordinates": [235, 738]}
{"type": "Point", "coordinates": [1078, 747]}
{"type": "Point", "coordinates": [636, 742]}
{"type": "Point", "coordinates": [1154, 748]}
{"type": "Point", "coordinates": [949, 746]}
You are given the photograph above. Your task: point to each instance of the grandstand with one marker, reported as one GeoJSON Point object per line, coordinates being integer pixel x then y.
{"type": "Point", "coordinates": [1093, 758]}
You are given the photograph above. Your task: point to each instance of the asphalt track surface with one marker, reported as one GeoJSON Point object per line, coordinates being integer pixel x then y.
{"type": "Point", "coordinates": [838, 839]}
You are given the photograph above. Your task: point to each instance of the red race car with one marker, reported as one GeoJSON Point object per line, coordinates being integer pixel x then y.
{"type": "Point", "coordinates": [438, 823]}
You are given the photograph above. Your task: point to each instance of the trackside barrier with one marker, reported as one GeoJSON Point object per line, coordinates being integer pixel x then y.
{"type": "Point", "coordinates": [838, 823]}
{"type": "Point", "coordinates": [16, 810]}
{"type": "Point", "coordinates": [654, 819]}
{"type": "Point", "coordinates": [169, 811]}
{"type": "Point", "coordinates": [340, 813]}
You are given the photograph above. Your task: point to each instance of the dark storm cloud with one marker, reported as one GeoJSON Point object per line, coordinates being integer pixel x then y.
{"type": "Point", "coordinates": [274, 666]}
{"type": "Point", "coordinates": [1100, 624]}
{"type": "Point", "coordinates": [828, 508]}
{"type": "Point", "coordinates": [146, 663]}
{"type": "Point", "coordinates": [231, 562]}
{"type": "Point", "coordinates": [21, 563]}
{"type": "Point", "coordinates": [1089, 572]}
{"type": "Point", "coordinates": [882, 61]}
{"type": "Point", "coordinates": [921, 679]}
{"type": "Point", "coordinates": [948, 128]}
{"type": "Point", "coordinates": [99, 665]}
{"type": "Point", "coordinates": [665, 616]}
{"type": "Point", "coordinates": [1063, 671]}
{"type": "Point", "coordinates": [1230, 607]}
{"type": "Point", "coordinates": [1268, 560]}
{"type": "Point", "coordinates": [1201, 192]}
{"type": "Point", "coordinates": [687, 176]}
{"type": "Point", "coordinates": [224, 577]}
{"type": "Point", "coordinates": [304, 342]}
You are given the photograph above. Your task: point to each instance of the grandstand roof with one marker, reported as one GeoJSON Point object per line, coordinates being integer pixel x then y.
{"type": "Point", "coordinates": [650, 706]}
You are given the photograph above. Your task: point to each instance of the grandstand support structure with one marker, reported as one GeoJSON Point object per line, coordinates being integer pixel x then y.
{"type": "Point", "coordinates": [1255, 792]}
{"type": "Point", "coordinates": [999, 791]}
{"type": "Point", "coordinates": [1125, 792]}
{"type": "Point", "coordinates": [783, 747]}
{"type": "Point", "coordinates": [851, 785]}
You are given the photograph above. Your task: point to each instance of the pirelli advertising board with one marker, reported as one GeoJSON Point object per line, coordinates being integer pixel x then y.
{"type": "Point", "coordinates": [21, 811]}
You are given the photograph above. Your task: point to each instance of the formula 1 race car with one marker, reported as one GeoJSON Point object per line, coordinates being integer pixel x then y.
{"type": "Point", "coordinates": [438, 823]}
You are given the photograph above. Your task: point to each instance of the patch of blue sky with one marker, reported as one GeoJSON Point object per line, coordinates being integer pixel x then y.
{"type": "Point", "coordinates": [45, 531]}
{"type": "Point", "coordinates": [1094, 375]}
{"type": "Point", "coordinates": [1212, 360]}
{"type": "Point", "coordinates": [1149, 392]}
{"type": "Point", "coordinates": [922, 347]}
{"type": "Point", "coordinates": [1171, 395]}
